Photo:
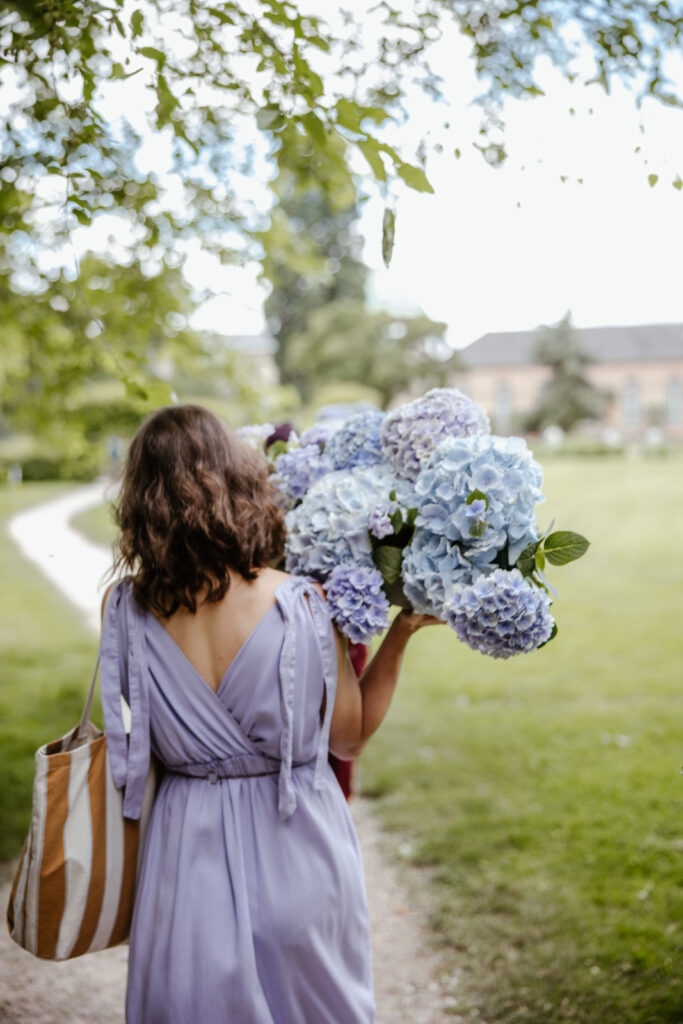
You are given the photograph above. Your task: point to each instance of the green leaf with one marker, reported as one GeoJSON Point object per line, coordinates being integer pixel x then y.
{"type": "Point", "coordinates": [396, 520]}
{"type": "Point", "coordinates": [153, 54]}
{"type": "Point", "coordinates": [414, 177]}
{"type": "Point", "coordinates": [552, 636]}
{"type": "Point", "coordinates": [315, 128]}
{"type": "Point", "coordinates": [135, 390]}
{"type": "Point", "coordinates": [136, 23]}
{"type": "Point", "coordinates": [653, 179]}
{"type": "Point", "coordinates": [348, 115]}
{"type": "Point", "coordinates": [564, 546]}
{"type": "Point", "coordinates": [526, 562]}
{"type": "Point", "coordinates": [388, 235]}
{"type": "Point", "coordinates": [677, 183]}
{"type": "Point", "coordinates": [539, 558]}
{"type": "Point", "coordinates": [477, 529]}
{"type": "Point", "coordinates": [277, 448]}
{"type": "Point", "coordinates": [370, 150]}
{"type": "Point", "coordinates": [477, 495]}
{"type": "Point", "coordinates": [388, 560]}
{"type": "Point", "coordinates": [269, 119]}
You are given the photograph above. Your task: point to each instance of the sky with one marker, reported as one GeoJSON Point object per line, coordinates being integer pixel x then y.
{"type": "Point", "coordinates": [513, 247]}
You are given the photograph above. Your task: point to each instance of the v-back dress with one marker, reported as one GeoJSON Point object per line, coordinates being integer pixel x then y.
{"type": "Point", "coordinates": [251, 905]}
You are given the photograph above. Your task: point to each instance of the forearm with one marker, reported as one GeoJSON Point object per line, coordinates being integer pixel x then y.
{"type": "Point", "coordinates": [378, 681]}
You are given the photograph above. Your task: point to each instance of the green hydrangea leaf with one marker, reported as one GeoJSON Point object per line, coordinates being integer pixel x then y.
{"type": "Point", "coordinates": [564, 546]}
{"type": "Point", "coordinates": [477, 495]}
{"type": "Point", "coordinates": [388, 560]}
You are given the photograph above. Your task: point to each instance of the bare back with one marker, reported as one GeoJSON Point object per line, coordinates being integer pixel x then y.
{"type": "Point", "coordinates": [211, 637]}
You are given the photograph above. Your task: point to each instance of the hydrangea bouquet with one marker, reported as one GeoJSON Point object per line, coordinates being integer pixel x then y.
{"type": "Point", "coordinates": [422, 507]}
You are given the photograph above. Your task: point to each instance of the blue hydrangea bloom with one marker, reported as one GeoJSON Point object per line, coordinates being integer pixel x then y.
{"type": "Point", "coordinates": [357, 602]}
{"type": "Point", "coordinates": [505, 471]}
{"type": "Point", "coordinates": [411, 433]}
{"type": "Point", "coordinates": [500, 615]}
{"type": "Point", "coordinates": [431, 567]}
{"type": "Point", "coordinates": [357, 443]}
{"type": "Point", "coordinates": [299, 468]}
{"type": "Point", "coordinates": [330, 526]}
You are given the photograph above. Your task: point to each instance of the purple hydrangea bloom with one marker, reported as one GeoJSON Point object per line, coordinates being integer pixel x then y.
{"type": "Point", "coordinates": [357, 443]}
{"type": "Point", "coordinates": [320, 433]}
{"type": "Point", "coordinates": [299, 468]}
{"type": "Point", "coordinates": [410, 433]}
{"type": "Point", "coordinates": [379, 522]}
{"type": "Point", "coordinates": [357, 602]}
{"type": "Point", "coordinates": [500, 615]}
{"type": "Point", "coordinates": [505, 471]}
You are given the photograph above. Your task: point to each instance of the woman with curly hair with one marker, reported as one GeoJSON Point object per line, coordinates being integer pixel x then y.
{"type": "Point", "coordinates": [251, 906]}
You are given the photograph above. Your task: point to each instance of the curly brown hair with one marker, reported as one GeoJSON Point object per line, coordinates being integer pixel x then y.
{"type": "Point", "coordinates": [196, 504]}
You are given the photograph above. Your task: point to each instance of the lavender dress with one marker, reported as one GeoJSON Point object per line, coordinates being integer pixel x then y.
{"type": "Point", "coordinates": [251, 906]}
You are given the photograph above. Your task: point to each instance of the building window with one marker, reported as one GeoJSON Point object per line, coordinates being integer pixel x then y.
{"type": "Point", "coordinates": [674, 402]}
{"type": "Point", "coordinates": [502, 407]}
{"type": "Point", "coordinates": [631, 403]}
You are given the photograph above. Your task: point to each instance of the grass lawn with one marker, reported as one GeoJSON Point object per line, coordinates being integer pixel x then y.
{"type": "Point", "coordinates": [96, 523]}
{"type": "Point", "coordinates": [544, 791]}
{"type": "Point", "coordinates": [46, 656]}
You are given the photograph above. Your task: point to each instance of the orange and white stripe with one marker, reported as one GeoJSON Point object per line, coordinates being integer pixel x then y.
{"type": "Point", "coordinates": [74, 887]}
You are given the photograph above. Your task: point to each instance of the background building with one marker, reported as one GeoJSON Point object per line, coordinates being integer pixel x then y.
{"type": "Point", "coordinates": [641, 367]}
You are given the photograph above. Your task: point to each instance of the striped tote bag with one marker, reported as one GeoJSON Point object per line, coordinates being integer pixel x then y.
{"type": "Point", "coordinates": [75, 882]}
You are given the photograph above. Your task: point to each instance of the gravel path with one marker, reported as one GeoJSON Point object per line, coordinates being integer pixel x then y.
{"type": "Point", "coordinates": [412, 985]}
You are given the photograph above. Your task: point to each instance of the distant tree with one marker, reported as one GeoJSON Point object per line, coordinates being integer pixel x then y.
{"type": "Point", "coordinates": [344, 341]}
{"type": "Point", "coordinates": [311, 254]}
{"type": "Point", "coordinates": [568, 396]}
{"type": "Point", "coordinates": [55, 384]}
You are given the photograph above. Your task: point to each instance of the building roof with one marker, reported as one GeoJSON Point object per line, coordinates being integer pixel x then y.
{"type": "Point", "coordinates": [605, 344]}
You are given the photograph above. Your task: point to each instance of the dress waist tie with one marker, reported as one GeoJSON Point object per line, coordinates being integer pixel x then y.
{"type": "Point", "coordinates": [238, 766]}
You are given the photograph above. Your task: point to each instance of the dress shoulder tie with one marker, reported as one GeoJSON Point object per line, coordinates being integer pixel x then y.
{"type": "Point", "coordinates": [129, 754]}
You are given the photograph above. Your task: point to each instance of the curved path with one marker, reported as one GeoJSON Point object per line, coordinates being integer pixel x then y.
{"type": "Point", "coordinates": [411, 983]}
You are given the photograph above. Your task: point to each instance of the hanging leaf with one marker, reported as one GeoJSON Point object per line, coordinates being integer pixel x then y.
{"type": "Point", "coordinates": [370, 150]}
{"type": "Point", "coordinates": [388, 235]}
{"type": "Point", "coordinates": [414, 177]}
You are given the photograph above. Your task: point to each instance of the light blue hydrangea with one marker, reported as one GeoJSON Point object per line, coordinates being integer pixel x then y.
{"type": "Point", "coordinates": [255, 434]}
{"type": "Point", "coordinates": [411, 433]}
{"type": "Point", "coordinates": [320, 433]}
{"type": "Point", "coordinates": [357, 602]}
{"type": "Point", "coordinates": [500, 615]}
{"type": "Point", "coordinates": [505, 471]}
{"type": "Point", "coordinates": [357, 443]}
{"type": "Point", "coordinates": [330, 526]}
{"type": "Point", "coordinates": [431, 567]}
{"type": "Point", "coordinates": [297, 469]}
